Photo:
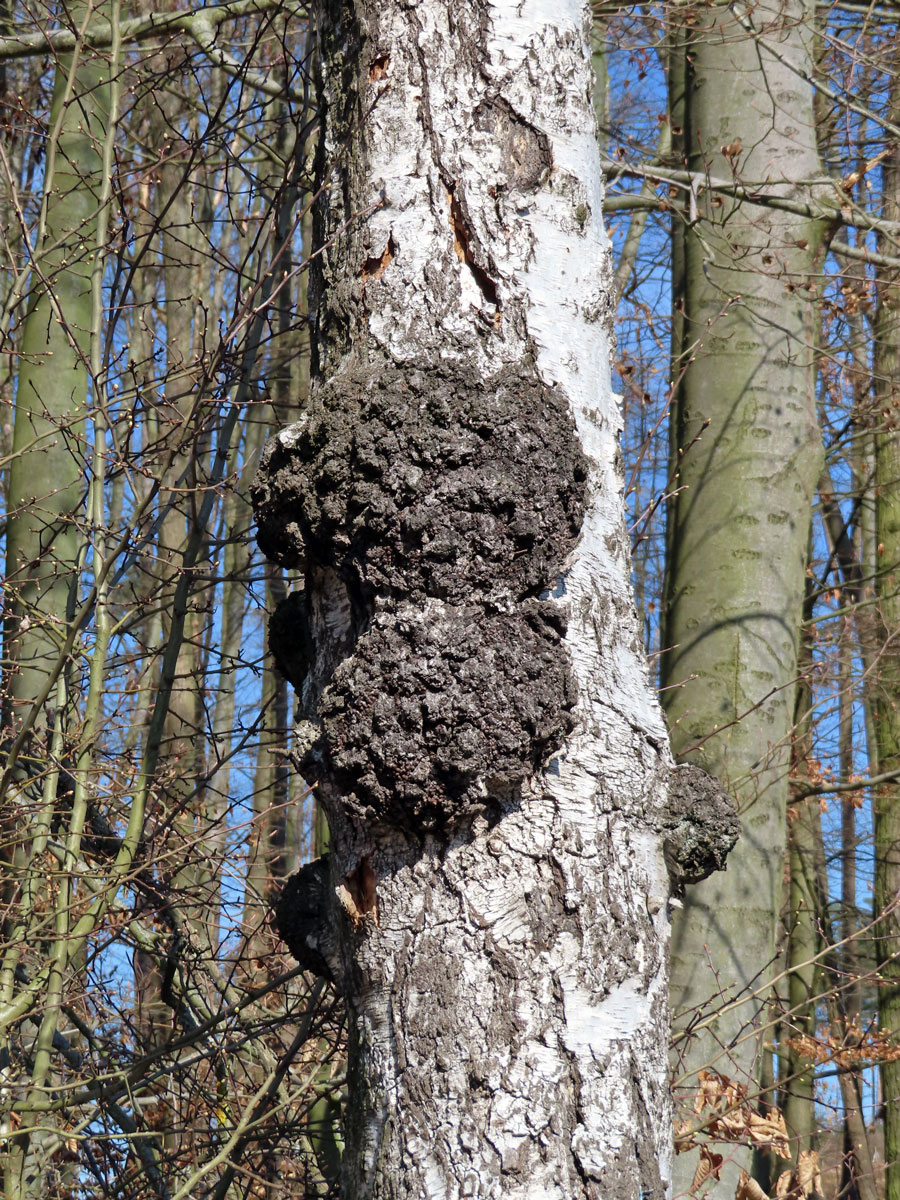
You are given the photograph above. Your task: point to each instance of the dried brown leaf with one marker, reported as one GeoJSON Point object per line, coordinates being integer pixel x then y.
{"type": "Point", "coordinates": [749, 1189]}
{"type": "Point", "coordinates": [684, 1137]}
{"type": "Point", "coordinates": [809, 1179]}
{"type": "Point", "coordinates": [783, 1185]}
{"type": "Point", "coordinates": [709, 1164]}
{"type": "Point", "coordinates": [769, 1129]}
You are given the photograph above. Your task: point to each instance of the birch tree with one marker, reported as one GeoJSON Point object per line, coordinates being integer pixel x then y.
{"type": "Point", "coordinates": [474, 703]}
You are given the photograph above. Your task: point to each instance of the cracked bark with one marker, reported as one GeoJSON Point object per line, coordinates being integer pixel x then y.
{"type": "Point", "coordinates": [473, 700]}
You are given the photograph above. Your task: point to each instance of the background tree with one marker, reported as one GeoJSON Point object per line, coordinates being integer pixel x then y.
{"type": "Point", "coordinates": [745, 453]}
{"type": "Point", "coordinates": [823, 1023]}
{"type": "Point", "coordinates": [153, 185]}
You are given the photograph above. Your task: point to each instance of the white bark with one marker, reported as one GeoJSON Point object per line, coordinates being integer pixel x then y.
{"type": "Point", "coordinates": [508, 1010]}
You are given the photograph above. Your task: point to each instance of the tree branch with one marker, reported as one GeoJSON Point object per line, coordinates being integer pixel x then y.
{"type": "Point", "coordinates": [861, 254]}
{"type": "Point", "coordinates": [697, 181]}
{"type": "Point", "coordinates": [814, 81]}
{"type": "Point", "coordinates": [198, 24]}
{"type": "Point", "coordinates": [826, 789]}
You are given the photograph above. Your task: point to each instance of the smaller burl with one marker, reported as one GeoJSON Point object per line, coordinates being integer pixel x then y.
{"type": "Point", "coordinates": [700, 826]}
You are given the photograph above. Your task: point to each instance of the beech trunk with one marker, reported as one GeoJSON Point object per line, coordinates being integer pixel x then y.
{"type": "Point", "coordinates": [746, 455]}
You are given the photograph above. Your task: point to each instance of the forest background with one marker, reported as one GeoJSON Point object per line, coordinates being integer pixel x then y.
{"type": "Point", "coordinates": [156, 186]}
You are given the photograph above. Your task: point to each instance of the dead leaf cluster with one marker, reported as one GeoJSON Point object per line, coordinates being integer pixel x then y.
{"type": "Point", "coordinates": [728, 1116]}
{"type": "Point", "coordinates": [802, 1183]}
{"type": "Point", "coordinates": [853, 1048]}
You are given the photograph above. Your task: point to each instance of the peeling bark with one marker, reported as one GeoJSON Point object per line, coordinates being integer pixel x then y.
{"type": "Point", "coordinates": [473, 698]}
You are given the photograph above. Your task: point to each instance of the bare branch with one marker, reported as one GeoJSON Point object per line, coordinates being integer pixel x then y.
{"type": "Point", "coordinates": [751, 193]}
{"type": "Point", "coordinates": [98, 34]}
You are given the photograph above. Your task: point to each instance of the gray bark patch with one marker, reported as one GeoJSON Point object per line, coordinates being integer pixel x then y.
{"type": "Point", "coordinates": [525, 150]}
{"type": "Point", "coordinates": [428, 483]}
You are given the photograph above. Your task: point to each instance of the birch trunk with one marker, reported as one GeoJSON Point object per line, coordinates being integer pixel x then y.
{"type": "Point", "coordinates": [473, 693]}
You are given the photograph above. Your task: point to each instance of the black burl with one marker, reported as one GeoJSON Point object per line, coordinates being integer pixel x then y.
{"type": "Point", "coordinates": [436, 714]}
{"type": "Point", "coordinates": [433, 513]}
{"type": "Point", "coordinates": [700, 826]}
{"type": "Point", "coordinates": [301, 918]}
{"type": "Point", "coordinates": [421, 483]}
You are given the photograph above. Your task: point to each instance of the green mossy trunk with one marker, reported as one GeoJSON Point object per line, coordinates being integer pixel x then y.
{"type": "Point", "coordinates": [46, 482]}
{"type": "Point", "coordinates": [45, 536]}
{"type": "Point", "coordinates": [884, 696]}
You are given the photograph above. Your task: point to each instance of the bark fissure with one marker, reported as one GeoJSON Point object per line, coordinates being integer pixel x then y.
{"type": "Point", "coordinates": [463, 244]}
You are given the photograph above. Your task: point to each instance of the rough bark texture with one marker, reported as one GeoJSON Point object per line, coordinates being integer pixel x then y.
{"type": "Point", "coordinates": [403, 481]}
{"type": "Point", "coordinates": [473, 696]}
{"type": "Point", "coordinates": [701, 826]}
{"type": "Point", "coordinates": [746, 449]}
